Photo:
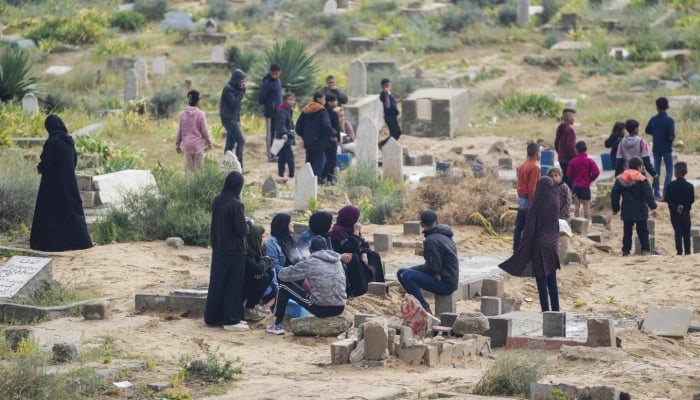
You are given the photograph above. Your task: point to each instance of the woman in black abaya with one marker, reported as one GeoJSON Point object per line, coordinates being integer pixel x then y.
{"type": "Point", "coordinates": [59, 221]}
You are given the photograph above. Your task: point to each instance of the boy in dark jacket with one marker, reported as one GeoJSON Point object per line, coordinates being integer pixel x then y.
{"type": "Point", "coordinates": [391, 111]}
{"type": "Point", "coordinates": [269, 99]}
{"type": "Point", "coordinates": [230, 112]}
{"type": "Point", "coordinates": [637, 198]}
{"type": "Point", "coordinates": [328, 174]}
{"type": "Point", "coordinates": [314, 127]}
{"type": "Point", "coordinates": [680, 196]}
{"type": "Point", "coordinates": [663, 130]}
{"type": "Point", "coordinates": [440, 273]}
{"type": "Point", "coordinates": [285, 130]}
{"type": "Point", "coordinates": [332, 88]}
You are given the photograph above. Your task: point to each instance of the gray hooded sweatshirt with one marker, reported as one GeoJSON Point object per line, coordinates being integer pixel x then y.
{"type": "Point", "coordinates": [325, 274]}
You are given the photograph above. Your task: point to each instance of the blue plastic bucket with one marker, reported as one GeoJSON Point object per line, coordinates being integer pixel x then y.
{"type": "Point", "coordinates": [342, 160]}
{"type": "Point", "coordinates": [547, 157]}
{"type": "Point", "coordinates": [607, 162]}
{"type": "Point", "coordinates": [545, 169]}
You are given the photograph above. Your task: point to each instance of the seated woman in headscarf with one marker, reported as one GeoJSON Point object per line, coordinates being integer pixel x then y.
{"type": "Point", "coordinates": [258, 273]}
{"type": "Point", "coordinates": [537, 254]}
{"type": "Point", "coordinates": [319, 224]}
{"type": "Point", "coordinates": [281, 248]}
{"type": "Point", "coordinates": [346, 237]}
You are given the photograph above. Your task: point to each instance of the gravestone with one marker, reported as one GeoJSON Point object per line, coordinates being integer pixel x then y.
{"type": "Point", "coordinates": [131, 85]}
{"type": "Point", "coordinates": [177, 21]}
{"type": "Point", "coordinates": [113, 187]}
{"type": "Point", "coordinates": [367, 148]}
{"type": "Point", "coordinates": [30, 104]}
{"type": "Point", "coordinates": [305, 187]}
{"type": "Point", "coordinates": [22, 276]}
{"type": "Point", "coordinates": [523, 16]}
{"type": "Point", "coordinates": [158, 66]}
{"type": "Point", "coordinates": [330, 7]}
{"type": "Point", "coordinates": [141, 71]}
{"type": "Point", "coordinates": [392, 160]}
{"type": "Point", "coordinates": [269, 187]}
{"type": "Point", "coordinates": [357, 79]}
{"type": "Point", "coordinates": [667, 320]}
{"type": "Point", "coordinates": [218, 54]}
{"type": "Point", "coordinates": [230, 163]}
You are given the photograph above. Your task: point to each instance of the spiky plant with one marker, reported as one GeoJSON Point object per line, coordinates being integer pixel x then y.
{"type": "Point", "coordinates": [299, 69]}
{"type": "Point", "coordinates": [16, 75]}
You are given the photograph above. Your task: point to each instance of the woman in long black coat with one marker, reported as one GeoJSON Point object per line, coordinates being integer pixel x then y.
{"type": "Point", "coordinates": [59, 221]}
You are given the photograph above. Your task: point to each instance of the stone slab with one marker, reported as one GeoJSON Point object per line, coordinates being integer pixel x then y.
{"type": "Point", "coordinates": [412, 228]}
{"type": "Point", "coordinates": [115, 185]}
{"type": "Point", "coordinates": [667, 321]}
{"type": "Point", "coordinates": [499, 330]}
{"type": "Point", "coordinates": [192, 306]}
{"type": "Point", "coordinates": [554, 324]}
{"type": "Point", "coordinates": [21, 276]}
{"type": "Point", "coordinates": [378, 288]}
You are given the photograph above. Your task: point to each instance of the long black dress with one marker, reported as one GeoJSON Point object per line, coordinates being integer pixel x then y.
{"type": "Point", "coordinates": [59, 221]}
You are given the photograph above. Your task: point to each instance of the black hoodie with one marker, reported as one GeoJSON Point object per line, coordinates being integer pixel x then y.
{"type": "Point", "coordinates": [228, 224]}
{"type": "Point", "coordinates": [231, 96]}
{"type": "Point", "coordinates": [270, 95]}
{"type": "Point", "coordinates": [440, 253]}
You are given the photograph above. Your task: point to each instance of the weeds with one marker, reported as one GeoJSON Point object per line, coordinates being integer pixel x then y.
{"type": "Point", "coordinates": [387, 195]}
{"type": "Point", "coordinates": [127, 20]}
{"type": "Point", "coordinates": [84, 27]}
{"type": "Point", "coordinates": [19, 184]}
{"type": "Point", "coordinates": [512, 374]}
{"type": "Point", "coordinates": [216, 368]}
{"type": "Point", "coordinates": [55, 294]}
{"type": "Point", "coordinates": [539, 105]}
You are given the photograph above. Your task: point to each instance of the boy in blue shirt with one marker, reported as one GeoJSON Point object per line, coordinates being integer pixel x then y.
{"type": "Point", "coordinates": [662, 128]}
{"type": "Point", "coordinates": [391, 112]}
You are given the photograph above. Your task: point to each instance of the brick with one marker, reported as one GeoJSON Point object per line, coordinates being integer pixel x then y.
{"type": "Point", "coordinates": [579, 225]}
{"type": "Point", "coordinates": [412, 228]}
{"type": "Point", "coordinates": [376, 335]}
{"type": "Point", "coordinates": [602, 219]}
{"type": "Point", "coordinates": [509, 304]}
{"type": "Point", "coordinates": [554, 324]}
{"type": "Point", "coordinates": [601, 332]}
{"type": "Point", "coordinates": [430, 358]}
{"type": "Point", "coordinates": [360, 319]}
{"type": "Point", "coordinates": [380, 289]}
{"type": "Point", "coordinates": [446, 353]}
{"type": "Point", "coordinates": [595, 236]}
{"type": "Point", "coordinates": [97, 310]}
{"type": "Point", "coordinates": [540, 343]}
{"type": "Point", "coordinates": [425, 159]}
{"type": "Point", "coordinates": [474, 289]}
{"type": "Point", "coordinates": [499, 331]}
{"type": "Point", "coordinates": [406, 335]}
{"type": "Point", "coordinates": [413, 355]}
{"type": "Point", "coordinates": [445, 304]}
{"type": "Point", "coordinates": [490, 306]}
{"type": "Point", "coordinates": [574, 257]}
{"type": "Point", "coordinates": [492, 287]}
{"type": "Point", "coordinates": [340, 351]}
{"type": "Point", "coordinates": [383, 242]}
{"type": "Point", "coordinates": [448, 319]}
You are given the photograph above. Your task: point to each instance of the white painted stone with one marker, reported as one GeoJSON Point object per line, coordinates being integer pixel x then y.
{"type": "Point", "coordinates": [158, 66]}
{"type": "Point", "coordinates": [114, 186]}
{"type": "Point", "coordinates": [230, 163]}
{"type": "Point", "coordinates": [330, 7]}
{"type": "Point", "coordinates": [141, 71]}
{"type": "Point", "coordinates": [568, 45]}
{"type": "Point", "coordinates": [30, 104]}
{"type": "Point", "coordinates": [367, 143]}
{"type": "Point", "coordinates": [218, 53]}
{"type": "Point", "coordinates": [57, 70]}
{"type": "Point", "coordinates": [392, 160]}
{"type": "Point", "coordinates": [131, 84]}
{"type": "Point", "coordinates": [667, 321]}
{"type": "Point", "coordinates": [357, 79]}
{"type": "Point", "coordinates": [22, 276]}
{"type": "Point", "coordinates": [305, 187]}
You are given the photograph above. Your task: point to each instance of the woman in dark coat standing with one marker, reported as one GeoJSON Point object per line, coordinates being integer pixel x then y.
{"type": "Point", "coordinates": [537, 255]}
{"type": "Point", "coordinates": [59, 221]}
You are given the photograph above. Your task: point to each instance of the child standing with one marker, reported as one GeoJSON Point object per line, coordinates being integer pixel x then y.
{"type": "Point", "coordinates": [285, 130]}
{"type": "Point", "coordinates": [193, 133]}
{"type": "Point", "coordinates": [528, 175]}
{"type": "Point", "coordinates": [563, 192]}
{"type": "Point", "coordinates": [582, 171]}
{"type": "Point", "coordinates": [634, 189]}
{"type": "Point", "coordinates": [680, 196]}
{"type": "Point", "coordinates": [391, 111]}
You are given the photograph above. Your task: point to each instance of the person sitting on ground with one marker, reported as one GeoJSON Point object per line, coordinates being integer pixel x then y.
{"type": "Point", "coordinates": [326, 296]}
{"type": "Point", "coordinates": [319, 225]}
{"type": "Point", "coordinates": [563, 191]}
{"type": "Point", "coordinates": [631, 146]}
{"type": "Point", "coordinates": [346, 237]}
{"type": "Point", "coordinates": [440, 272]}
{"type": "Point", "coordinates": [537, 256]}
{"type": "Point", "coordinates": [258, 273]}
{"type": "Point", "coordinates": [582, 172]}
{"type": "Point", "coordinates": [348, 136]}
{"type": "Point", "coordinates": [680, 196]}
{"type": "Point", "coordinates": [280, 247]}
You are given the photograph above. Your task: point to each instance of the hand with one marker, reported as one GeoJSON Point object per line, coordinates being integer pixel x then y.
{"type": "Point", "coordinates": [334, 139]}
{"type": "Point", "coordinates": [364, 259]}
{"type": "Point", "coordinates": [387, 90]}
{"type": "Point", "coordinates": [284, 137]}
{"type": "Point", "coordinates": [357, 229]}
{"type": "Point", "coordinates": [178, 149]}
{"type": "Point", "coordinates": [346, 258]}
{"type": "Point", "coordinates": [437, 277]}
{"type": "Point", "coordinates": [680, 208]}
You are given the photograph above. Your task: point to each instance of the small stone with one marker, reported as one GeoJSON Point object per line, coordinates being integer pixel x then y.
{"type": "Point", "coordinates": [358, 354]}
{"type": "Point", "coordinates": [269, 188]}
{"type": "Point", "coordinates": [470, 323]}
{"type": "Point", "coordinates": [175, 242]}
{"type": "Point", "coordinates": [159, 386]}
{"type": "Point", "coordinates": [411, 228]}
{"type": "Point", "coordinates": [97, 310]}
{"type": "Point", "coordinates": [64, 352]}
{"type": "Point", "coordinates": [579, 225]}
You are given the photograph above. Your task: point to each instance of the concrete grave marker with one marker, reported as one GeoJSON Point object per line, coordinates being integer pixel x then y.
{"type": "Point", "coordinates": [523, 12]}
{"type": "Point", "coordinates": [114, 186]}
{"type": "Point", "coordinates": [177, 21]}
{"type": "Point", "coordinates": [305, 187]}
{"type": "Point", "coordinates": [131, 85]}
{"type": "Point", "coordinates": [22, 276]}
{"type": "Point", "coordinates": [392, 160]}
{"type": "Point", "coordinates": [357, 79]}
{"type": "Point", "coordinates": [141, 71]}
{"type": "Point", "coordinates": [367, 139]}
{"type": "Point", "coordinates": [158, 66]}
{"type": "Point", "coordinates": [218, 54]}
{"type": "Point", "coordinates": [330, 7]}
{"type": "Point", "coordinates": [30, 104]}
{"type": "Point", "coordinates": [269, 187]}
{"type": "Point", "coordinates": [230, 163]}
{"type": "Point", "coordinates": [667, 321]}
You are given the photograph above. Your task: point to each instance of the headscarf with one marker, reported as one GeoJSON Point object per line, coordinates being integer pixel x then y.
{"type": "Point", "coordinates": [233, 184]}
{"type": "Point", "coordinates": [537, 255]}
{"type": "Point", "coordinates": [345, 223]}
{"type": "Point", "coordinates": [279, 228]}
{"type": "Point", "coordinates": [320, 223]}
{"type": "Point", "coordinates": [254, 239]}
{"type": "Point", "coordinates": [54, 125]}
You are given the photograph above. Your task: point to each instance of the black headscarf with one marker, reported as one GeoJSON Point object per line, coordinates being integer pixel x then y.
{"type": "Point", "coordinates": [537, 254]}
{"type": "Point", "coordinates": [54, 125]}
{"type": "Point", "coordinates": [320, 223]}
{"type": "Point", "coordinates": [254, 239]}
{"type": "Point", "coordinates": [279, 228]}
{"type": "Point", "coordinates": [233, 184]}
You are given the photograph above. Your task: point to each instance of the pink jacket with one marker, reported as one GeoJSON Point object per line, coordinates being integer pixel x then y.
{"type": "Point", "coordinates": [582, 171]}
{"type": "Point", "coordinates": [192, 132]}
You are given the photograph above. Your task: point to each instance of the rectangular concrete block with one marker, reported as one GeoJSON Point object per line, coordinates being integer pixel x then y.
{"type": "Point", "coordinates": [602, 219]}
{"type": "Point", "coordinates": [430, 358]}
{"type": "Point", "coordinates": [448, 319]}
{"type": "Point", "coordinates": [97, 310]}
{"type": "Point", "coordinates": [554, 324]}
{"type": "Point", "coordinates": [638, 244]}
{"type": "Point", "coordinates": [474, 289]}
{"type": "Point", "coordinates": [413, 355]}
{"type": "Point", "coordinates": [192, 306]}
{"type": "Point", "coordinates": [695, 231]}
{"type": "Point", "coordinates": [376, 336]}
{"type": "Point", "coordinates": [88, 198]}
{"type": "Point", "coordinates": [383, 242]}
{"type": "Point", "coordinates": [696, 244]}
{"type": "Point", "coordinates": [564, 244]}
{"type": "Point", "coordinates": [543, 391]}
{"type": "Point", "coordinates": [411, 228]}
{"type": "Point", "coordinates": [510, 305]}
{"type": "Point", "coordinates": [340, 351]}
{"type": "Point", "coordinates": [360, 319]}
{"type": "Point", "coordinates": [595, 236]}
{"type": "Point", "coordinates": [505, 163]}
{"type": "Point", "coordinates": [446, 353]}
{"type": "Point", "coordinates": [405, 336]}
{"type": "Point", "coordinates": [499, 331]}
{"type": "Point", "coordinates": [445, 304]}
{"type": "Point", "coordinates": [574, 257]}
{"type": "Point", "coordinates": [601, 332]}
{"type": "Point", "coordinates": [651, 226]}
{"type": "Point", "coordinates": [667, 321]}
{"type": "Point", "coordinates": [380, 289]}
{"type": "Point", "coordinates": [579, 225]}
{"type": "Point", "coordinates": [490, 306]}
{"type": "Point", "coordinates": [84, 182]}
{"type": "Point", "coordinates": [492, 287]}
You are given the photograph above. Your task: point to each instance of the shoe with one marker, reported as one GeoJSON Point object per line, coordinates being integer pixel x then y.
{"type": "Point", "coordinates": [625, 253]}
{"type": "Point", "coordinates": [263, 308]}
{"type": "Point", "coordinates": [252, 314]}
{"type": "Point", "coordinates": [241, 326]}
{"type": "Point", "coordinates": [275, 329]}
{"type": "Point", "coordinates": [646, 253]}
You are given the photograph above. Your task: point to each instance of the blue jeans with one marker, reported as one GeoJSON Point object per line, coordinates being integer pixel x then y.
{"type": "Point", "coordinates": [234, 135]}
{"type": "Point", "coordinates": [548, 285]}
{"type": "Point", "coordinates": [316, 158]}
{"type": "Point", "coordinates": [413, 281]}
{"type": "Point", "coordinates": [668, 163]}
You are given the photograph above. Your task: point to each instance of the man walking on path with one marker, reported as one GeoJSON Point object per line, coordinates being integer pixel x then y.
{"type": "Point", "coordinates": [269, 99]}
{"type": "Point", "coordinates": [663, 130]}
{"type": "Point", "coordinates": [565, 142]}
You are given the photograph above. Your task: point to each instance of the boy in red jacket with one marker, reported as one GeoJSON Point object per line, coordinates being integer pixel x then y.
{"type": "Point", "coordinates": [582, 171]}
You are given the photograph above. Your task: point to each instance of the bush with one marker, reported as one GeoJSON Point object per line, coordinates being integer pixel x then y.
{"type": "Point", "coordinates": [467, 14]}
{"type": "Point", "coordinates": [539, 105]}
{"type": "Point", "coordinates": [113, 158]}
{"type": "Point", "coordinates": [127, 21]}
{"type": "Point", "coordinates": [216, 368]}
{"type": "Point", "coordinates": [19, 184]}
{"type": "Point", "coordinates": [507, 14]}
{"type": "Point", "coordinates": [512, 374]}
{"type": "Point", "coordinates": [85, 27]}
{"type": "Point", "coordinates": [645, 48]}
{"type": "Point", "coordinates": [298, 68]}
{"type": "Point", "coordinates": [219, 9]}
{"type": "Point", "coordinates": [550, 8]}
{"type": "Point", "coordinates": [166, 102]}
{"type": "Point", "coordinates": [153, 10]}
{"type": "Point", "coordinates": [387, 195]}
{"type": "Point", "coordinates": [14, 122]}
{"type": "Point", "coordinates": [16, 75]}
{"type": "Point", "coordinates": [551, 39]}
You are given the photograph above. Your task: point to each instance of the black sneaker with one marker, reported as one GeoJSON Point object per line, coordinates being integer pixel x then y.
{"type": "Point", "coordinates": [625, 253]}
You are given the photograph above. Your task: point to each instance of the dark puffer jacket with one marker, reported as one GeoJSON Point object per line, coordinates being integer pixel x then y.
{"type": "Point", "coordinates": [270, 95]}
{"type": "Point", "coordinates": [440, 253]}
{"type": "Point", "coordinates": [314, 127]}
{"type": "Point", "coordinates": [231, 96]}
{"type": "Point", "coordinates": [635, 191]}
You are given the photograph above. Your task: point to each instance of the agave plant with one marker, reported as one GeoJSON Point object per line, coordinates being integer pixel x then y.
{"type": "Point", "coordinates": [16, 75]}
{"type": "Point", "coordinates": [299, 69]}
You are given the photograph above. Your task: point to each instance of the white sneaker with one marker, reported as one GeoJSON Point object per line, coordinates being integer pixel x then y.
{"type": "Point", "coordinates": [252, 314]}
{"type": "Point", "coordinates": [275, 329]}
{"type": "Point", "coordinates": [241, 326]}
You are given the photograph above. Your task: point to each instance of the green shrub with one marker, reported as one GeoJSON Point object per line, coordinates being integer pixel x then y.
{"type": "Point", "coordinates": [216, 368]}
{"type": "Point", "coordinates": [539, 105]}
{"type": "Point", "coordinates": [166, 102]}
{"type": "Point", "coordinates": [298, 68]}
{"type": "Point", "coordinates": [550, 8]}
{"type": "Point", "coordinates": [645, 48]}
{"type": "Point", "coordinates": [512, 374]}
{"type": "Point", "coordinates": [16, 75]}
{"type": "Point", "coordinates": [564, 78]}
{"type": "Point", "coordinates": [14, 122]}
{"type": "Point", "coordinates": [85, 27]}
{"type": "Point", "coordinates": [19, 184]}
{"type": "Point", "coordinates": [387, 195]}
{"type": "Point", "coordinates": [507, 14]}
{"type": "Point", "coordinates": [340, 32]}
{"type": "Point", "coordinates": [467, 14]}
{"type": "Point", "coordinates": [219, 9]}
{"type": "Point", "coordinates": [127, 21]}
{"type": "Point", "coordinates": [379, 7]}
{"type": "Point", "coordinates": [114, 158]}
{"type": "Point", "coordinates": [238, 59]}
{"type": "Point", "coordinates": [153, 10]}
{"type": "Point", "coordinates": [55, 294]}
{"type": "Point", "coordinates": [551, 39]}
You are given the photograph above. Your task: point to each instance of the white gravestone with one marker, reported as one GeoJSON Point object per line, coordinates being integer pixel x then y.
{"type": "Point", "coordinates": [357, 79]}
{"type": "Point", "coordinates": [305, 187]}
{"type": "Point", "coordinates": [141, 71]}
{"type": "Point", "coordinates": [131, 85]}
{"type": "Point", "coordinates": [218, 54]}
{"type": "Point", "coordinates": [158, 66]}
{"type": "Point", "coordinates": [230, 163]}
{"type": "Point", "coordinates": [392, 160]}
{"type": "Point", "coordinates": [330, 7]}
{"type": "Point", "coordinates": [113, 187]}
{"type": "Point", "coordinates": [367, 143]}
{"type": "Point", "coordinates": [22, 276]}
{"type": "Point", "coordinates": [30, 104]}
{"type": "Point", "coordinates": [523, 12]}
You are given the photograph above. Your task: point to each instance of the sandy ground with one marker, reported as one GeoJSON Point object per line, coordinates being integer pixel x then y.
{"type": "Point", "coordinates": [287, 367]}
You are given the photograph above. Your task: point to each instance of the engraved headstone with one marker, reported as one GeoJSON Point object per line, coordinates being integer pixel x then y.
{"type": "Point", "coordinates": [357, 79]}
{"type": "Point", "coordinates": [330, 7]}
{"type": "Point", "coordinates": [30, 104]}
{"type": "Point", "coordinates": [305, 187]}
{"type": "Point", "coordinates": [392, 160]}
{"type": "Point", "coordinates": [158, 66]}
{"type": "Point", "coordinates": [218, 54]}
{"type": "Point", "coordinates": [131, 85]}
{"type": "Point", "coordinates": [367, 134]}
{"type": "Point", "coordinates": [141, 71]}
{"type": "Point", "coordinates": [230, 163]}
{"type": "Point", "coordinates": [22, 276]}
